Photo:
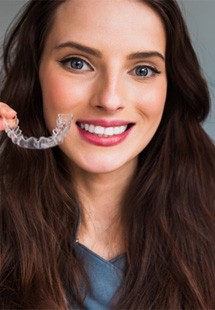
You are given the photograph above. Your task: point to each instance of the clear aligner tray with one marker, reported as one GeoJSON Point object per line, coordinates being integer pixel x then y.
{"type": "Point", "coordinates": [63, 123]}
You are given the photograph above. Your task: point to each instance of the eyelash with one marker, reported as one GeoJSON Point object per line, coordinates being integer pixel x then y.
{"type": "Point", "coordinates": [65, 62]}
{"type": "Point", "coordinates": [152, 69]}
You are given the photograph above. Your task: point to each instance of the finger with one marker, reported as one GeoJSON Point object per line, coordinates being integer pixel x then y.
{"type": "Point", "coordinates": [7, 111]}
{"type": "Point", "coordinates": [1, 126]}
{"type": "Point", "coordinates": [11, 123]}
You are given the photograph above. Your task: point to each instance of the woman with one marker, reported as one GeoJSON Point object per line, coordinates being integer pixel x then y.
{"type": "Point", "coordinates": [121, 214]}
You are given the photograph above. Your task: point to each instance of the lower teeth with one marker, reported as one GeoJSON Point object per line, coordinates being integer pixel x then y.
{"type": "Point", "coordinates": [100, 135]}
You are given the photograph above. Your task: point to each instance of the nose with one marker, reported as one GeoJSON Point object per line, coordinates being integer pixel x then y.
{"type": "Point", "coordinates": [108, 93]}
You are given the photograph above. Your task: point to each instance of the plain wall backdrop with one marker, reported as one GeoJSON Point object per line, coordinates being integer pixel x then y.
{"type": "Point", "coordinates": [200, 18]}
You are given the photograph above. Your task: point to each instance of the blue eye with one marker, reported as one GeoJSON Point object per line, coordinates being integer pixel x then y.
{"type": "Point", "coordinates": [76, 64]}
{"type": "Point", "coordinates": [145, 71]}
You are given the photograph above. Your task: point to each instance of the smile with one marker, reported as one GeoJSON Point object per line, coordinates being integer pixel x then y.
{"type": "Point", "coordinates": [103, 131]}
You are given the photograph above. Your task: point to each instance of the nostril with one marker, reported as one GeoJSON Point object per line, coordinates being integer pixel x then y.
{"type": "Point", "coordinates": [109, 107]}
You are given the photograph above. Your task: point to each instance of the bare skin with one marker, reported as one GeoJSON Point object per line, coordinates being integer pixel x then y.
{"type": "Point", "coordinates": [106, 87]}
{"type": "Point", "coordinates": [101, 228]}
{"type": "Point", "coordinates": [8, 113]}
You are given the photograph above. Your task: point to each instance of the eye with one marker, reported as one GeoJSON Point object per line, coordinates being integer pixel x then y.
{"type": "Point", "coordinates": [76, 64]}
{"type": "Point", "coordinates": [144, 71]}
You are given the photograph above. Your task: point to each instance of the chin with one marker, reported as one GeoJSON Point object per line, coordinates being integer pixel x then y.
{"type": "Point", "coordinates": [100, 167]}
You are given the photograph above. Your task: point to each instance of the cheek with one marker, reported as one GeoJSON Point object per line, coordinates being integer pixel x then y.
{"type": "Point", "coordinates": [151, 102]}
{"type": "Point", "coordinates": [60, 93]}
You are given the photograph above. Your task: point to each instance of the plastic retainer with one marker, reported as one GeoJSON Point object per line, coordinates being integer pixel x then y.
{"type": "Point", "coordinates": [63, 123]}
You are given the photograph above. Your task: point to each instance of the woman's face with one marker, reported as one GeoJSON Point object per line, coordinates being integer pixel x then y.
{"type": "Point", "coordinates": [104, 62]}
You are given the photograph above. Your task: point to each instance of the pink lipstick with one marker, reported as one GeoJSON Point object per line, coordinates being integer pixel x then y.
{"type": "Point", "coordinates": [102, 132]}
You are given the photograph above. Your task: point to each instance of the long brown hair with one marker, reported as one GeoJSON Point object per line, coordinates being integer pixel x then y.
{"type": "Point", "coordinates": [169, 208]}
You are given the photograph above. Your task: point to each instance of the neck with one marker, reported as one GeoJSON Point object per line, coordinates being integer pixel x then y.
{"type": "Point", "coordinates": [101, 228]}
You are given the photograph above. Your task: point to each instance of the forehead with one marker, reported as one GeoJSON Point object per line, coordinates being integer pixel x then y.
{"type": "Point", "coordinates": [107, 24]}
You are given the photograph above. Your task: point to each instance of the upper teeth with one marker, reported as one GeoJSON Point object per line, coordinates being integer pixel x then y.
{"type": "Point", "coordinates": [106, 131]}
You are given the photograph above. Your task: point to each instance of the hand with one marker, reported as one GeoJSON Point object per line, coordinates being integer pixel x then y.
{"type": "Point", "coordinates": [8, 113]}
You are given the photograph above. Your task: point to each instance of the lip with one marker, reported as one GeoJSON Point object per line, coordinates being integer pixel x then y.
{"type": "Point", "coordinates": [104, 141]}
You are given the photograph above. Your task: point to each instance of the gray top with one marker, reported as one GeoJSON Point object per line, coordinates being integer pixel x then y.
{"type": "Point", "coordinates": [105, 277]}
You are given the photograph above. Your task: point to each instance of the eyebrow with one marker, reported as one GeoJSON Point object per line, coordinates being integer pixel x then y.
{"type": "Point", "coordinates": [83, 48]}
{"type": "Point", "coordinates": [148, 54]}
{"type": "Point", "coordinates": [97, 53]}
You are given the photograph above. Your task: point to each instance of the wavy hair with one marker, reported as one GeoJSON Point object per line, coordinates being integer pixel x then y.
{"type": "Point", "coordinates": [169, 206]}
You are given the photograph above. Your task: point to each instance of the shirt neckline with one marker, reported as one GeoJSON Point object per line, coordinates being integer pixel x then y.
{"type": "Point", "coordinates": [112, 260]}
